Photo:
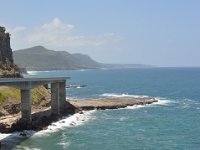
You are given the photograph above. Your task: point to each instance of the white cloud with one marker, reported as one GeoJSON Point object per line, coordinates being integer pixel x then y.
{"type": "Point", "coordinates": [18, 29]}
{"type": "Point", "coordinates": [50, 32]}
{"type": "Point", "coordinates": [59, 34]}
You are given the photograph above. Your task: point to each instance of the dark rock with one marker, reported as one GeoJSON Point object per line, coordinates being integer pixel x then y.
{"type": "Point", "coordinates": [23, 70]}
{"type": "Point", "coordinates": [2, 114]}
{"type": "Point", "coordinates": [21, 124]}
{"type": "Point", "coordinates": [7, 66]}
{"type": "Point", "coordinates": [2, 126]}
{"type": "Point", "coordinates": [81, 112]}
{"type": "Point", "coordinates": [22, 134]}
{"type": "Point", "coordinates": [5, 50]}
{"type": "Point", "coordinates": [12, 109]}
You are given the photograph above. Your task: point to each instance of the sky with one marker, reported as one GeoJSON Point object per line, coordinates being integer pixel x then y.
{"type": "Point", "coordinates": [155, 32]}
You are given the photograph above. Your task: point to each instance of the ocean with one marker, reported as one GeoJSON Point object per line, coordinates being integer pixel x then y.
{"type": "Point", "coordinates": [172, 123]}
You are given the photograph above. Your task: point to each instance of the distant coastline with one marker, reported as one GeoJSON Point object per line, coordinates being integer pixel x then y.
{"type": "Point", "coordinates": [39, 58]}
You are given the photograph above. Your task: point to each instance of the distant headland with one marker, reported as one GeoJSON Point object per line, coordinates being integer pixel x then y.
{"type": "Point", "coordinates": [39, 58]}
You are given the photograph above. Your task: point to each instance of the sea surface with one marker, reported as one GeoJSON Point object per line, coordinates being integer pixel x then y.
{"type": "Point", "coordinates": [172, 123]}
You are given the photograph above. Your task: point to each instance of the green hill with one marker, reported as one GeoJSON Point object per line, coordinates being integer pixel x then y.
{"type": "Point", "coordinates": [40, 58]}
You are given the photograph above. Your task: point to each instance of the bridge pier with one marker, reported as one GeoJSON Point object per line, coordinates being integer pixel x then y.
{"type": "Point", "coordinates": [26, 104]}
{"type": "Point", "coordinates": [58, 93]}
{"type": "Point", "coordinates": [62, 96]}
{"type": "Point", "coordinates": [55, 104]}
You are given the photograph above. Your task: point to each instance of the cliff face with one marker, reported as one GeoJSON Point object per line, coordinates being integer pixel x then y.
{"type": "Point", "coordinates": [5, 50]}
{"type": "Point", "coordinates": [7, 66]}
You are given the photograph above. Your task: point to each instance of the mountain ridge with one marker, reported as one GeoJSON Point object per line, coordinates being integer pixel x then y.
{"type": "Point", "coordinates": [41, 58]}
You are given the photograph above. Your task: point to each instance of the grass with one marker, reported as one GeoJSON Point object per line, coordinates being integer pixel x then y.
{"type": "Point", "coordinates": [12, 95]}
{"type": "Point", "coordinates": [9, 94]}
{"type": "Point", "coordinates": [2, 98]}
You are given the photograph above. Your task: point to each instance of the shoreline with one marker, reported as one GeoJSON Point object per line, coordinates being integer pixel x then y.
{"type": "Point", "coordinates": [48, 123]}
{"type": "Point", "coordinates": [42, 117]}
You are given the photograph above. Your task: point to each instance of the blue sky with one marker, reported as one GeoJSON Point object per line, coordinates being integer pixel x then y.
{"type": "Point", "coordinates": [155, 32]}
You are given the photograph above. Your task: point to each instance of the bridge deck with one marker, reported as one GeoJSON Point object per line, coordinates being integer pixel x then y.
{"type": "Point", "coordinates": [14, 80]}
{"type": "Point", "coordinates": [58, 92]}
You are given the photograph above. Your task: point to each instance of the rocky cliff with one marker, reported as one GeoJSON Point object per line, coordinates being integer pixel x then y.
{"type": "Point", "coordinates": [7, 66]}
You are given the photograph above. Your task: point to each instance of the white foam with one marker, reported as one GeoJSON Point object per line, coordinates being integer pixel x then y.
{"type": "Point", "coordinates": [64, 144]}
{"type": "Point", "coordinates": [162, 101]}
{"type": "Point", "coordinates": [35, 72]}
{"type": "Point", "coordinates": [122, 95]}
{"type": "Point", "coordinates": [135, 107]}
{"type": "Point", "coordinates": [123, 118]}
{"type": "Point", "coordinates": [26, 148]}
{"type": "Point", "coordinates": [2, 136]}
{"type": "Point", "coordinates": [70, 121]}
{"type": "Point", "coordinates": [82, 70]}
{"type": "Point", "coordinates": [104, 69]}
{"type": "Point", "coordinates": [25, 133]}
{"type": "Point", "coordinates": [32, 72]}
{"type": "Point", "coordinates": [79, 87]}
{"type": "Point", "coordinates": [13, 139]}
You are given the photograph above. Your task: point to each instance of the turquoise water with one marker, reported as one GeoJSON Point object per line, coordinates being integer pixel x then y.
{"type": "Point", "coordinates": [173, 123]}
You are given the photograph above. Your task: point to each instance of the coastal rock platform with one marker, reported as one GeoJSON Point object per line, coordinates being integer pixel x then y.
{"type": "Point", "coordinates": [42, 117]}
{"type": "Point", "coordinates": [111, 103]}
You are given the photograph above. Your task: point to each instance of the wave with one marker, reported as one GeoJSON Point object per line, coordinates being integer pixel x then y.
{"type": "Point", "coordinates": [26, 148]}
{"type": "Point", "coordinates": [135, 107]}
{"type": "Point", "coordinates": [13, 139]}
{"type": "Point", "coordinates": [82, 70]}
{"type": "Point", "coordinates": [35, 72]}
{"type": "Point", "coordinates": [32, 72]}
{"type": "Point", "coordinates": [115, 95]}
{"type": "Point", "coordinates": [161, 100]}
{"type": "Point", "coordinates": [70, 121]}
{"type": "Point", "coordinates": [25, 133]}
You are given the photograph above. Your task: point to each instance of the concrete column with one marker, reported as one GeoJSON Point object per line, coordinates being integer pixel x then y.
{"type": "Point", "coordinates": [62, 94]}
{"type": "Point", "coordinates": [26, 104]}
{"type": "Point", "coordinates": [55, 109]}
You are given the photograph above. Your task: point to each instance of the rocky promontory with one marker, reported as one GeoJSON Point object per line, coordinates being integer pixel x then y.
{"type": "Point", "coordinates": [7, 66]}
{"type": "Point", "coordinates": [42, 117]}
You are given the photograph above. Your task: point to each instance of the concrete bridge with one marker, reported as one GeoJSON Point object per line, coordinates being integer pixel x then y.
{"type": "Point", "coordinates": [58, 93]}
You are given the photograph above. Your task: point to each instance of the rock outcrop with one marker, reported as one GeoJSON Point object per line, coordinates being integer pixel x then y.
{"type": "Point", "coordinates": [7, 66]}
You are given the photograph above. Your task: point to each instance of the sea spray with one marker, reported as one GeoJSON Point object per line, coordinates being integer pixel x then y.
{"type": "Point", "coordinates": [12, 139]}
{"type": "Point", "coordinates": [69, 121]}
